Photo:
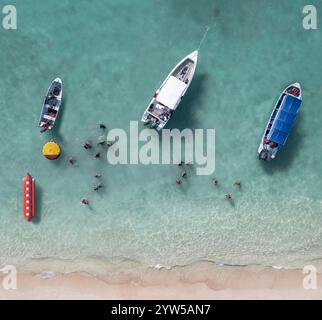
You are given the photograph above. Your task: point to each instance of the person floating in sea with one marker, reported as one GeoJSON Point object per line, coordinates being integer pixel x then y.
{"type": "Point", "coordinates": [229, 196]}
{"type": "Point", "coordinates": [98, 186]}
{"type": "Point", "coordinates": [101, 142]}
{"type": "Point", "coordinates": [178, 181]}
{"type": "Point", "coordinates": [98, 176]}
{"type": "Point", "coordinates": [102, 126]}
{"type": "Point", "coordinates": [215, 181]}
{"type": "Point", "coordinates": [87, 144]}
{"type": "Point", "coordinates": [97, 154]}
{"type": "Point", "coordinates": [72, 160]}
{"type": "Point", "coordinates": [237, 183]}
{"type": "Point", "coordinates": [109, 143]}
{"type": "Point", "coordinates": [184, 173]}
{"type": "Point", "coordinates": [84, 201]}
{"type": "Point", "coordinates": [188, 163]}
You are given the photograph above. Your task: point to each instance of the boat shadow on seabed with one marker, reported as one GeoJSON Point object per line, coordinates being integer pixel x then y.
{"type": "Point", "coordinates": [184, 116]}
{"type": "Point", "coordinates": [289, 152]}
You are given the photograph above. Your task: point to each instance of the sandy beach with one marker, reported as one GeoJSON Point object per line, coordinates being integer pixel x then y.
{"type": "Point", "coordinates": [197, 281]}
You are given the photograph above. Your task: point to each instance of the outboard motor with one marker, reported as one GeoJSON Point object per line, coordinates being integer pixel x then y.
{"type": "Point", "coordinates": [264, 155]}
{"type": "Point", "coordinates": [147, 121]}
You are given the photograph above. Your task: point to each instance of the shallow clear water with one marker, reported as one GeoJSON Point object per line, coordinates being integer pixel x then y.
{"type": "Point", "coordinates": [112, 55]}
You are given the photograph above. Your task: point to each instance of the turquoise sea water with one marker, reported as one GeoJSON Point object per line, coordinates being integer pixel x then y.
{"type": "Point", "coordinates": [111, 56]}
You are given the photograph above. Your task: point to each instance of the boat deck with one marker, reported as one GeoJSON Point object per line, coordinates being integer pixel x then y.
{"type": "Point", "coordinates": [184, 71]}
{"type": "Point", "coordinates": [157, 111]}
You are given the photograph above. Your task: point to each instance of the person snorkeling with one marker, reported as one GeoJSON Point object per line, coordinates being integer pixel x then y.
{"type": "Point", "coordinates": [84, 201]}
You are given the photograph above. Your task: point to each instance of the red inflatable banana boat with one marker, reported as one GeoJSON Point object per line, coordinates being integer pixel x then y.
{"type": "Point", "coordinates": [28, 197]}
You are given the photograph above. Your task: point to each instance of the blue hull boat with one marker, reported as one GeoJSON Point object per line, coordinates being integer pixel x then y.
{"type": "Point", "coordinates": [281, 121]}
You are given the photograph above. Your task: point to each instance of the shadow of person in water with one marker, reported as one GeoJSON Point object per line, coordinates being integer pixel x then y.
{"type": "Point", "coordinates": [184, 117]}
{"type": "Point", "coordinates": [287, 154]}
{"type": "Point", "coordinates": [38, 203]}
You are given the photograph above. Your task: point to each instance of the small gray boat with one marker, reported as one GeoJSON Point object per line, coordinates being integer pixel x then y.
{"type": "Point", "coordinates": [51, 105]}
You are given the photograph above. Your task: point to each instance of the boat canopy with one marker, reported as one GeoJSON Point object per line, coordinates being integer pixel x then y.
{"type": "Point", "coordinates": [171, 92]}
{"type": "Point", "coordinates": [285, 117]}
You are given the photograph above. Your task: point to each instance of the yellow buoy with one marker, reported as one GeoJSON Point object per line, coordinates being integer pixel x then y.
{"type": "Point", "coordinates": [51, 150]}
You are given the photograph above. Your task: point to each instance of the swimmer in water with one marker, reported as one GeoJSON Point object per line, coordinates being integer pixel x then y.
{"type": "Point", "coordinates": [237, 183]}
{"type": "Point", "coordinates": [97, 187]}
{"type": "Point", "coordinates": [180, 163]}
{"type": "Point", "coordinates": [98, 176]}
{"type": "Point", "coordinates": [229, 196]}
{"type": "Point", "coordinates": [72, 160]}
{"type": "Point", "coordinates": [102, 126]}
{"type": "Point", "coordinates": [84, 201]}
{"type": "Point", "coordinates": [215, 181]}
{"type": "Point", "coordinates": [101, 142]}
{"type": "Point", "coordinates": [97, 155]}
{"type": "Point", "coordinates": [109, 143]}
{"type": "Point", "coordinates": [87, 144]}
{"type": "Point", "coordinates": [183, 174]}
{"type": "Point", "coordinates": [178, 181]}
